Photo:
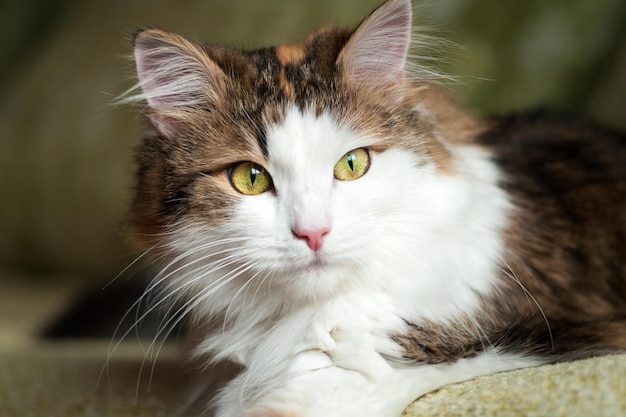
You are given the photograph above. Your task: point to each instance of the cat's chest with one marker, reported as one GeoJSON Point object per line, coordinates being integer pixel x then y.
{"type": "Point", "coordinates": [349, 331]}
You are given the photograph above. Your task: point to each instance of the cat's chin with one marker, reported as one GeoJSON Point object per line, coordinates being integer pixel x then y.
{"type": "Point", "coordinates": [316, 266]}
{"type": "Point", "coordinates": [316, 279]}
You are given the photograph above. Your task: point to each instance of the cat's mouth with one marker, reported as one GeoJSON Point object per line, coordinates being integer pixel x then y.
{"type": "Point", "coordinates": [316, 265]}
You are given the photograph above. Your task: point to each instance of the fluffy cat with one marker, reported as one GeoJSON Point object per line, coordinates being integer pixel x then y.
{"type": "Point", "coordinates": [333, 224]}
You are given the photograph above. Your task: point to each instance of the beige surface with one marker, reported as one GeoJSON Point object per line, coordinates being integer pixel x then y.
{"type": "Point", "coordinates": [65, 380]}
{"type": "Point", "coordinates": [593, 387]}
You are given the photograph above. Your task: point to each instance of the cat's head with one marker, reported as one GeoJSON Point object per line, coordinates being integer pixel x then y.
{"type": "Point", "coordinates": [301, 168]}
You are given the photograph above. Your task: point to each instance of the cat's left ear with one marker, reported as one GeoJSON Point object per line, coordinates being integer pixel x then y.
{"type": "Point", "coordinates": [376, 53]}
{"type": "Point", "coordinates": [175, 77]}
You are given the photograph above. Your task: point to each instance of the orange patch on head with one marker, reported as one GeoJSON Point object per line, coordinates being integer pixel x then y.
{"type": "Point", "coordinates": [289, 54]}
{"type": "Point", "coordinates": [286, 86]}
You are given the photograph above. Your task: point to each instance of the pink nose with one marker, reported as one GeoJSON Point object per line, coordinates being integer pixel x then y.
{"type": "Point", "coordinates": [313, 237]}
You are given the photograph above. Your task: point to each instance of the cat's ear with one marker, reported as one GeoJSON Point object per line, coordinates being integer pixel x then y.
{"type": "Point", "coordinates": [377, 51]}
{"type": "Point", "coordinates": [174, 74]}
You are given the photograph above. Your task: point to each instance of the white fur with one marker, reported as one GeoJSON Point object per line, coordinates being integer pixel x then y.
{"type": "Point", "coordinates": [313, 330]}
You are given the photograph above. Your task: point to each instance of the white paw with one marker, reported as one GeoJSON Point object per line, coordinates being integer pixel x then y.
{"type": "Point", "coordinates": [357, 353]}
{"type": "Point", "coordinates": [329, 392]}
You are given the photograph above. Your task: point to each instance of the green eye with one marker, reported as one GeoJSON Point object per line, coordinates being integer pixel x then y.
{"type": "Point", "coordinates": [352, 165]}
{"type": "Point", "coordinates": [249, 178]}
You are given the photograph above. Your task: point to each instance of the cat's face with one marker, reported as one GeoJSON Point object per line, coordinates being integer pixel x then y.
{"type": "Point", "coordinates": [328, 203]}
{"type": "Point", "coordinates": [301, 169]}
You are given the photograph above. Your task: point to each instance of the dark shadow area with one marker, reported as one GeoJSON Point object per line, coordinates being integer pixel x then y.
{"type": "Point", "coordinates": [114, 312]}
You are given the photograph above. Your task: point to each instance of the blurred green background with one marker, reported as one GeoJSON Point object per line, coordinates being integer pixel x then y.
{"type": "Point", "coordinates": [66, 154]}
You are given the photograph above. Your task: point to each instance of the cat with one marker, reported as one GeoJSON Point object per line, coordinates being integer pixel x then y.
{"type": "Point", "coordinates": [330, 221]}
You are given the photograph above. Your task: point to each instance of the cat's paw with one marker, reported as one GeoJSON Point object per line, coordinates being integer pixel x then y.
{"type": "Point", "coordinates": [358, 352]}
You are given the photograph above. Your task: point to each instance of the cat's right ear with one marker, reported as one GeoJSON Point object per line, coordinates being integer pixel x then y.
{"type": "Point", "coordinates": [174, 75]}
{"type": "Point", "coordinates": [376, 53]}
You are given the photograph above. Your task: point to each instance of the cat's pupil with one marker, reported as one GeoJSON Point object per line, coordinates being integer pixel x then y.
{"type": "Point", "coordinates": [351, 162]}
{"type": "Point", "coordinates": [253, 174]}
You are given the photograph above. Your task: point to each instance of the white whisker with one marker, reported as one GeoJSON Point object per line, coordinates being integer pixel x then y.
{"type": "Point", "coordinates": [175, 319]}
{"type": "Point", "coordinates": [510, 273]}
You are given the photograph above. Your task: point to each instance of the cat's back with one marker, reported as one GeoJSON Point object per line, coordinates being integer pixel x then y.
{"type": "Point", "coordinates": [567, 181]}
{"type": "Point", "coordinates": [542, 138]}
{"type": "Point", "coordinates": [560, 158]}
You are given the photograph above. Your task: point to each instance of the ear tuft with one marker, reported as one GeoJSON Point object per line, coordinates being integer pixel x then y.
{"type": "Point", "coordinates": [173, 72]}
{"type": "Point", "coordinates": [377, 51]}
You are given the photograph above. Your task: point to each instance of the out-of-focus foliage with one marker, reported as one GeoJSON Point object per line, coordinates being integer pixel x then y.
{"type": "Point", "coordinates": [66, 154]}
{"type": "Point", "coordinates": [565, 54]}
